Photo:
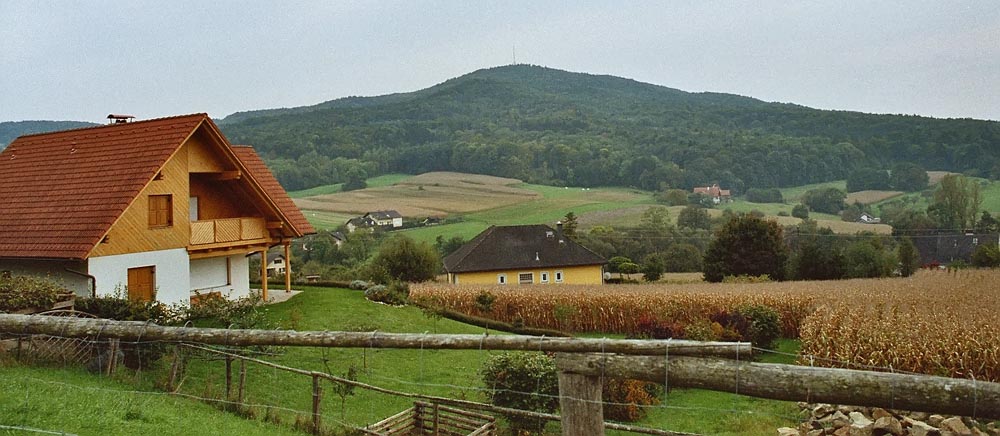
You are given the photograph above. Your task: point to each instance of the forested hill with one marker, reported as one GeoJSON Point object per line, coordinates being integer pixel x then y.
{"type": "Point", "coordinates": [10, 130]}
{"type": "Point", "coordinates": [556, 127]}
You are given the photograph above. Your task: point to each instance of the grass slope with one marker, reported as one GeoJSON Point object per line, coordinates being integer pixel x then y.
{"type": "Point", "coordinates": [374, 182]}
{"type": "Point", "coordinates": [77, 402]}
{"type": "Point", "coordinates": [445, 373]}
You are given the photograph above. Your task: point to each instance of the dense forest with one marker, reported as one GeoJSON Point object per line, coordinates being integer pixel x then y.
{"type": "Point", "coordinates": [561, 128]}
{"type": "Point", "coordinates": [9, 130]}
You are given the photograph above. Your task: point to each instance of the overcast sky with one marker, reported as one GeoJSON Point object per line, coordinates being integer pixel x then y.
{"type": "Point", "coordinates": [80, 60]}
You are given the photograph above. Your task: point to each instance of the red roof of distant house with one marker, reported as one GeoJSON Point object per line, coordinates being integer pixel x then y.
{"type": "Point", "coordinates": [712, 191]}
{"type": "Point", "coordinates": [62, 191]}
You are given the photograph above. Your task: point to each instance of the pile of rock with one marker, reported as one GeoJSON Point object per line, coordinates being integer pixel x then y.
{"type": "Point", "coordinates": [826, 419]}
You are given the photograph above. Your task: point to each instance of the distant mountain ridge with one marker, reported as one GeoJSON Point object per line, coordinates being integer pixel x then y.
{"type": "Point", "coordinates": [10, 130]}
{"type": "Point", "coordinates": [555, 127]}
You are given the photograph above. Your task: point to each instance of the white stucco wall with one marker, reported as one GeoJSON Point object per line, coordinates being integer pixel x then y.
{"type": "Point", "coordinates": [210, 275]}
{"type": "Point", "coordinates": [53, 269]}
{"type": "Point", "coordinates": [173, 278]}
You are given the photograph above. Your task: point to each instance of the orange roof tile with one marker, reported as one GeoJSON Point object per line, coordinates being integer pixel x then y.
{"type": "Point", "coordinates": [262, 175]}
{"type": "Point", "coordinates": [61, 191]}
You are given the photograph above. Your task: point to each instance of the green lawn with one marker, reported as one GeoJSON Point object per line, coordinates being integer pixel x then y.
{"type": "Point", "coordinates": [793, 194]}
{"type": "Point", "coordinates": [77, 402]}
{"type": "Point", "coordinates": [466, 229]}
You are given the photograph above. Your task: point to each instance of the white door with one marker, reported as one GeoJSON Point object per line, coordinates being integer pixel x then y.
{"type": "Point", "coordinates": [193, 209]}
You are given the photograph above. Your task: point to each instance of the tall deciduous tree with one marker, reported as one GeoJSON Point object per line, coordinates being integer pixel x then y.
{"type": "Point", "coordinates": [746, 245]}
{"type": "Point", "coordinates": [825, 200]}
{"type": "Point", "coordinates": [908, 177]}
{"type": "Point", "coordinates": [694, 217]}
{"type": "Point", "coordinates": [909, 257]}
{"type": "Point", "coordinates": [407, 260]}
{"type": "Point", "coordinates": [956, 202]}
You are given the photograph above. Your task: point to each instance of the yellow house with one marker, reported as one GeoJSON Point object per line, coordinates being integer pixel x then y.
{"type": "Point", "coordinates": [524, 255]}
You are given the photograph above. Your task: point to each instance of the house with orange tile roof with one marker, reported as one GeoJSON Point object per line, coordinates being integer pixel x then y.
{"type": "Point", "coordinates": [164, 209]}
{"type": "Point", "coordinates": [717, 194]}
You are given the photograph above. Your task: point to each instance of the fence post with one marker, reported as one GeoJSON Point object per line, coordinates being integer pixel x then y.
{"type": "Point", "coordinates": [112, 356]}
{"type": "Point", "coordinates": [580, 402]}
{"type": "Point", "coordinates": [174, 369]}
{"type": "Point", "coordinates": [229, 378]}
{"type": "Point", "coordinates": [243, 379]}
{"type": "Point", "coordinates": [316, 397]}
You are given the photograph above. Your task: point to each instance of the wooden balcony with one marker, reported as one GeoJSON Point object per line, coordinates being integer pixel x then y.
{"type": "Point", "coordinates": [227, 232]}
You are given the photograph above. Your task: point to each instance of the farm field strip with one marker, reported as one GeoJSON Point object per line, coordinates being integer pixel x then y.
{"type": "Point", "coordinates": [935, 322]}
{"type": "Point", "coordinates": [870, 197]}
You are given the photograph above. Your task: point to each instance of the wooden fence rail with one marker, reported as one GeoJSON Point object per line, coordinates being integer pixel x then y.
{"type": "Point", "coordinates": [139, 331]}
{"type": "Point", "coordinates": [920, 393]}
{"type": "Point", "coordinates": [676, 363]}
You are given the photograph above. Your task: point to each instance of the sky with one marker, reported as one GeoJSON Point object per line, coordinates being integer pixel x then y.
{"type": "Point", "coordinates": [81, 60]}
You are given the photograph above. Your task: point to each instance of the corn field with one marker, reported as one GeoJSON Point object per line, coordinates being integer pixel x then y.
{"type": "Point", "coordinates": [942, 323]}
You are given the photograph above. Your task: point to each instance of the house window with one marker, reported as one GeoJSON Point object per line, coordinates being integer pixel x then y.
{"type": "Point", "coordinates": [559, 276]}
{"type": "Point", "coordinates": [545, 277]}
{"type": "Point", "coordinates": [502, 279]}
{"type": "Point", "coordinates": [526, 278]}
{"type": "Point", "coordinates": [161, 211]}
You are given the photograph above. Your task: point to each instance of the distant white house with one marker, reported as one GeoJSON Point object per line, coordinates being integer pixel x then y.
{"type": "Point", "coordinates": [380, 218]}
{"type": "Point", "coordinates": [275, 265]}
{"type": "Point", "coordinates": [867, 218]}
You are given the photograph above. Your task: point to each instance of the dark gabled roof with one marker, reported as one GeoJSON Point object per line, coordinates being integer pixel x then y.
{"type": "Point", "coordinates": [519, 247]}
{"type": "Point", "coordinates": [272, 256]}
{"type": "Point", "coordinates": [384, 214]}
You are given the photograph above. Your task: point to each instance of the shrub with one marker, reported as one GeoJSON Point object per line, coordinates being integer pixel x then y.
{"type": "Point", "coordinates": [624, 398]}
{"type": "Point", "coordinates": [743, 278]}
{"type": "Point", "coordinates": [242, 313]}
{"type": "Point", "coordinates": [763, 325]}
{"type": "Point", "coordinates": [525, 381]}
{"type": "Point", "coordinates": [701, 330]}
{"type": "Point", "coordinates": [135, 355]}
{"type": "Point", "coordinates": [396, 294]}
{"type": "Point", "coordinates": [23, 292]}
{"type": "Point", "coordinates": [359, 285]}
{"type": "Point", "coordinates": [649, 327]}
{"type": "Point", "coordinates": [117, 307]}
{"type": "Point", "coordinates": [800, 211]}
{"type": "Point", "coordinates": [986, 256]}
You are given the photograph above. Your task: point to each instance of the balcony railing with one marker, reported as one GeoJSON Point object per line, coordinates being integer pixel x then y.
{"type": "Point", "coordinates": [225, 230]}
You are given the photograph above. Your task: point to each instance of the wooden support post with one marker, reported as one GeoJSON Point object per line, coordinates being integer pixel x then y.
{"type": "Point", "coordinates": [229, 378]}
{"type": "Point", "coordinates": [437, 419]}
{"type": "Point", "coordinates": [243, 380]}
{"type": "Point", "coordinates": [112, 356]}
{"type": "Point", "coordinates": [288, 266]}
{"type": "Point", "coordinates": [263, 275]}
{"type": "Point", "coordinates": [580, 402]}
{"type": "Point", "coordinates": [175, 368]}
{"type": "Point", "coordinates": [317, 392]}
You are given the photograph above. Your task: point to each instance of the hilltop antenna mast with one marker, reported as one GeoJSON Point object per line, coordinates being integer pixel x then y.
{"type": "Point", "coordinates": [513, 53]}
